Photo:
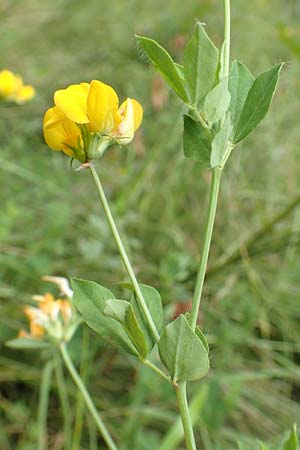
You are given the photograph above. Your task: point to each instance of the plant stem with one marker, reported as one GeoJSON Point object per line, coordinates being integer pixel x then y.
{"type": "Point", "coordinates": [214, 190]}
{"type": "Point", "coordinates": [87, 398]}
{"type": "Point", "coordinates": [43, 405]}
{"type": "Point", "coordinates": [213, 199]}
{"type": "Point", "coordinates": [64, 400]}
{"type": "Point", "coordinates": [156, 369]}
{"type": "Point", "coordinates": [121, 248]}
{"type": "Point", "coordinates": [227, 31]}
{"type": "Point", "coordinates": [185, 416]}
{"type": "Point", "coordinates": [175, 435]}
{"type": "Point", "coordinates": [83, 371]}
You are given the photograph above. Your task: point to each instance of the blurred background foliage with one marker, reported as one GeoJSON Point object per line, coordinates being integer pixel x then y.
{"type": "Point", "coordinates": [51, 223]}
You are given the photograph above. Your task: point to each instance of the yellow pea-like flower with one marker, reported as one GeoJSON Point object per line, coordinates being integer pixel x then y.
{"type": "Point", "coordinates": [61, 133]}
{"type": "Point", "coordinates": [86, 120]}
{"type": "Point", "coordinates": [12, 88]}
{"type": "Point", "coordinates": [52, 318]}
{"type": "Point", "coordinates": [131, 116]}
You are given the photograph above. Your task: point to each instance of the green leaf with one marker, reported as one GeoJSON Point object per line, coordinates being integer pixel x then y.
{"type": "Point", "coordinates": [203, 339]}
{"type": "Point", "coordinates": [217, 102]}
{"type": "Point", "coordinates": [90, 298]}
{"type": "Point", "coordinates": [163, 62]}
{"type": "Point", "coordinates": [220, 144]}
{"type": "Point", "coordinates": [196, 142]}
{"type": "Point", "coordinates": [182, 351]}
{"type": "Point", "coordinates": [258, 102]}
{"type": "Point", "coordinates": [123, 312]}
{"type": "Point", "coordinates": [240, 83]}
{"type": "Point", "coordinates": [154, 304]}
{"type": "Point", "coordinates": [292, 442]}
{"type": "Point", "coordinates": [201, 59]}
{"type": "Point", "coordinates": [25, 343]}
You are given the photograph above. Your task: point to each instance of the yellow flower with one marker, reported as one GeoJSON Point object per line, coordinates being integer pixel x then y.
{"type": "Point", "coordinates": [60, 133]}
{"type": "Point", "coordinates": [12, 88]}
{"type": "Point", "coordinates": [53, 318]}
{"type": "Point", "coordinates": [24, 94]}
{"type": "Point", "coordinates": [9, 83]}
{"type": "Point", "coordinates": [86, 120]}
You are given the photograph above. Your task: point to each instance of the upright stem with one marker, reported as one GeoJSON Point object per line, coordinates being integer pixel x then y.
{"type": "Point", "coordinates": [185, 417]}
{"type": "Point", "coordinates": [64, 400]}
{"type": "Point", "coordinates": [227, 31]}
{"type": "Point", "coordinates": [83, 371]}
{"type": "Point", "coordinates": [43, 405]}
{"type": "Point", "coordinates": [87, 398]}
{"type": "Point", "coordinates": [123, 254]}
{"type": "Point", "coordinates": [213, 199]}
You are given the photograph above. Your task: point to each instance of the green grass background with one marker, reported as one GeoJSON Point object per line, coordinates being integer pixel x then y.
{"type": "Point", "coordinates": [51, 223]}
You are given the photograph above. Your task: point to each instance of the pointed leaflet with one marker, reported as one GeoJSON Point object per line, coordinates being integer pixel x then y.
{"type": "Point", "coordinates": [258, 102]}
{"type": "Point", "coordinates": [217, 103]}
{"type": "Point", "coordinates": [89, 298]}
{"type": "Point", "coordinates": [154, 304]}
{"type": "Point", "coordinates": [201, 59]}
{"type": "Point", "coordinates": [240, 83]}
{"type": "Point", "coordinates": [163, 62]}
{"type": "Point", "coordinates": [220, 143]}
{"type": "Point", "coordinates": [122, 311]}
{"type": "Point", "coordinates": [292, 442]}
{"type": "Point", "coordinates": [196, 142]}
{"type": "Point", "coordinates": [183, 352]}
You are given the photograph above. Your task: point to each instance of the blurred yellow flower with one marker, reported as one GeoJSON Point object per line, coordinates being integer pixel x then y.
{"type": "Point", "coordinates": [53, 318]}
{"type": "Point", "coordinates": [87, 119]}
{"type": "Point", "coordinates": [12, 88]}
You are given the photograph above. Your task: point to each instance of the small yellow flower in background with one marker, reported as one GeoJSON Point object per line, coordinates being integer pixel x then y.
{"type": "Point", "coordinates": [87, 119]}
{"type": "Point", "coordinates": [12, 88]}
{"type": "Point", "coordinates": [52, 319]}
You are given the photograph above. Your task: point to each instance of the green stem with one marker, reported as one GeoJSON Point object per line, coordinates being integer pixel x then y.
{"type": "Point", "coordinates": [185, 416]}
{"type": "Point", "coordinates": [84, 370]}
{"type": "Point", "coordinates": [64, 400]}
{"type": "Point", "coordinates": [213, 200]}
{"type": "Point", "coordinates": [227, 31]}
{"type": "Point", "coordinates": [156, 369]}
{"type": "Point", "coordinates": [121, 248]}
{"type": "Point", "coordinates": [175, 435]}
{"type": "Point", "coordinates": [45, 387]}
{"type": "Point", "coordinates": [87, 398]}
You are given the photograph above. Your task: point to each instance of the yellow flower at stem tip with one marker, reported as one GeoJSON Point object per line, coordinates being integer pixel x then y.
{"type": "Point", "coordinates": [53, 318]}
{"type": "Point", "coordinates": [86, 120]}
{"type": "Point", "coordinates": [12, 88]}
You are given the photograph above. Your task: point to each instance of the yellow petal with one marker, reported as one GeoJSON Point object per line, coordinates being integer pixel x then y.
{"type": "Point", "coordinates": [9, 83]}
{"type": "Point", "coordinates": [36, 330]}
{"type": "Point", "coordinates": [65, 309]}
{"type": "Point", "coordinates": [131, 114]}
{"type": "Point", "coordinates": [102, 106]}
{"type": "Point", "coordinates": [137, 112]}
{"type": "Point", "coordinates": [60, 132]}
{"type": "Point", "coordinates": [72, 102]}
{"type": "Point", "coordinates": [24, 94]}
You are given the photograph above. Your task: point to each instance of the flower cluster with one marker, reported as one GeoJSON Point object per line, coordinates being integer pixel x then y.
{"type": "Point", "coordinates": [87, 119]}
{"type": "Point", "coordinates": [53, 319]}
{"type": "Point", "coordinates": [12, 88]}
